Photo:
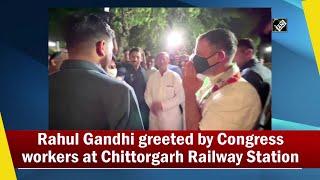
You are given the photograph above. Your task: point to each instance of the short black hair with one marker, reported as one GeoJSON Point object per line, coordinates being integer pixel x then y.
{"type": "Point", "coordinates": [125, 50]}
{"type": "Point", "coordinates": [136, 49]}
{"type": "Point", "coordinates": [55, 55]}
{"type": "Point", "coordinates": [114, 58]}
{"type": "Point", "coordinates": [246, 43]}
{"type": "Point", "coordinates": [222, 38]}
{"type": "Point", "coordinates": [85, 28]}
{"type": "Point", "coordinates": [151, 57]}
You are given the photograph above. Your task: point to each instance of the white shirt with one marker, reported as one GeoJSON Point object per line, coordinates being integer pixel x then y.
{"type": "Point", "coordinates": [168, 90]}
{"type": "Point", "coordinates": [235, 106]}
{"type": "Point", "coordinates": [149, 72]}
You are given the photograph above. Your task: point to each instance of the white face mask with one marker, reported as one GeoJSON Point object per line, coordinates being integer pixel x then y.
{"type": "Point", "coordinates": [112, 72]}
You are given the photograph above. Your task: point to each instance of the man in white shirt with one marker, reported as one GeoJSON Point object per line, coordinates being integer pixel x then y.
{"type": "Point", "coordinates": [164, 94]}
{"type": "Point", "coordinates": [222, 100]}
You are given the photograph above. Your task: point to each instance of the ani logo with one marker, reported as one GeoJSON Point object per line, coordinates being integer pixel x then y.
{"type": "Point", "coordinates": [280, 25]}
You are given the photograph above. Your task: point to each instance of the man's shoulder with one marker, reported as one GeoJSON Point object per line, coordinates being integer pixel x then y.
{"type": "Point", "coordinates": [173, 74]}
{"type": "Point", "coordinates": [239, 91]}
{"type": "Point", "coordinates": [112, 86]}
{"type": "Point", "coordinates": [257, 70]}
{"type": "Point", "coordinates": [116, 84]}
{"type": "Point", "coordinates": [244, 87]}
{"type": "Point", "coordinates": [152, 70]}
{"type": "Point", "coordinates": [175, 68]}
{"type": "Point", "coordinates": [235, 97]}
{"type": "Point", "coordinates": [91, 78]}
{"type": "Point", "coordinates": [154, 73]}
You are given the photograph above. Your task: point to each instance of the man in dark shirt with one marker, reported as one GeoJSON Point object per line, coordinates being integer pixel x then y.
{"type": "Point", "coordinates": [252, 70]}
{"type": "Point", "coordinates": [81, 94]}
{"type": "Point", "coordinates": [136, 77]}
{"type": "Point", "coordinates": [258, 75]}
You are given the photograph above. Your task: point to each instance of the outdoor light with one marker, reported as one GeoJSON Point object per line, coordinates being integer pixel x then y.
{"type": "Point", "coordinates": [174, 39]}
{"type": "Point", "coordinates": [52, 44]}
{"type": "Point", "coordinates": [106, 9]}
{"type": "Point", "coordinates": [268, 49]}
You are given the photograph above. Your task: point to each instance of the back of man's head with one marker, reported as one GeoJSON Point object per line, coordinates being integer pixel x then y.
{"type": "Point", "coordinates": [246, 43]}
{"type": "Point", "coordinates": [223, 39]}
{"type": "Point", "coordinates": [85, 30]}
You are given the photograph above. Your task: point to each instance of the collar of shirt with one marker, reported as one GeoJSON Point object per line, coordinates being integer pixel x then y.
{"type": "Point", "coordinates": [249, 64]}
{"type": "Point", "coordinates": [220, 78]}
{"type": "Point", "coordinates": [81, 64]}
{"type": "Point", "coordinates": [165, 73]}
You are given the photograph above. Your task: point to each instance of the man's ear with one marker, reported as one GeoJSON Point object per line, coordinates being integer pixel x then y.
{"type": "Point", "coordinates": [249, 52]}
{"type": "Point", "coordinates": [53, 63]}
{"type": "Point", "coordinates": [221, 56]}
{"type": "Point", "coordinates": [100, 48]}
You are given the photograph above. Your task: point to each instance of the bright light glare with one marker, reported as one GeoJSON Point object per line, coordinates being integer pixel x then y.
{"type": "Point", "coordinates": [174, 39]}
{"type": "Point", "coordinates": [268, 49]}
{"type": "Point", "coordinates": [106, 9]}
{"type": "Point", "coordinates": [52, 44]}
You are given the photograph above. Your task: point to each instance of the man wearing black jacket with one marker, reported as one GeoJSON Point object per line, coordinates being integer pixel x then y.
{"type": "Point", "coordinates": [252, 70]}
{"type": "Point", "coordinates": [258, 75]}
{"type": "Point", "coordinates": [136, 77]}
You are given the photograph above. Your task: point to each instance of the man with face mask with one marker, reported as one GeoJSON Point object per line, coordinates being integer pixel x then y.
{"type": "Point", "coordinates": [81, 94]}
{"type": "Point", "coordinates": [226, 101]}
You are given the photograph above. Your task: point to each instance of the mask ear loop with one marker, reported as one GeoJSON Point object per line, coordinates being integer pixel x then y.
{"type": "Point", "coordinates": [214, 63]}
{"type": "Point", "coordinates": [212, 55]}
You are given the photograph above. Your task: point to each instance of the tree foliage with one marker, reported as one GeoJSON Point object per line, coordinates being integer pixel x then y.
{"type": "Point", "coordinates": [149, 27]}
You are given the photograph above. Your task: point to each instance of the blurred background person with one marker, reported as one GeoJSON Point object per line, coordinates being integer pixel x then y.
{"type": "Point", "coordinates": [143, 63]}
{"type": "Point", "coordinates": [150, 67]}
{"type": "Point", "coordinates": [182, 60]}
{"type": "Point", "coordinates": [123, 65]}
{"type": "Point", "coordinates": [125, 57]}
{"type": "Point", "coordinates": [163, 95]}
{"type": "Point", "coordinates": [111, 68]}
{"type": "Point", "coordinates": [136, 77]}
{"type": "Point", "coordinates": [172, 65]}
{"type": "Point", "coordinates": [56, 59]}
{"type": "Point", "coordinates": [147, 53]}
{"type": "Point", "coordinates": [115, 49]}
{"type": "Point", "coordinates": [251, 69]}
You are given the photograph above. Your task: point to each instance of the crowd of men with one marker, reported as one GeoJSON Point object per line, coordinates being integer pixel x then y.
{"type": "Point", "coordinates": [222, 86]}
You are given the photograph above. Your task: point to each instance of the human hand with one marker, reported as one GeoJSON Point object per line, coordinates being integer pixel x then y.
{"type": "Point", "coordinates": [156, 107]}
{"type": "Point", "coordinates": [190, 82]}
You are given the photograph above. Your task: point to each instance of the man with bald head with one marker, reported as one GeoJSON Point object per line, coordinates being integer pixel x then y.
{"type": "Point", "coordinates": [164, 94]}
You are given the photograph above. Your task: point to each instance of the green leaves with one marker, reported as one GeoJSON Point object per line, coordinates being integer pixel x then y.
{"type": "Point", "coordinates": [149, 27]}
